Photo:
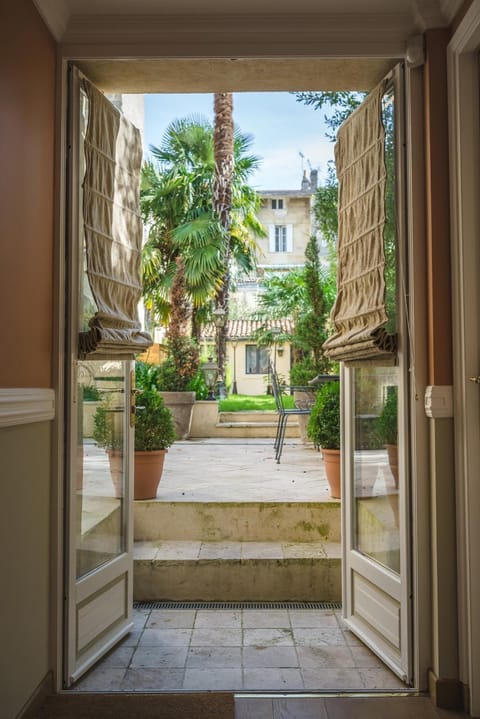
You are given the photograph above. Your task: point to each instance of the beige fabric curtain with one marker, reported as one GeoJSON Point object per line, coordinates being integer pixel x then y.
{"type": "Point", "coordinates": [113, 231]}
{"type": "Point", "coordinates": [359, 314]}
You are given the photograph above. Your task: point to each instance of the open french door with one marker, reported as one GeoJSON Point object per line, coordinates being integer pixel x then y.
{"type": "Point", "coordinates": [99, 527]}
{"type": "Point", "coordinates": [376, 551]}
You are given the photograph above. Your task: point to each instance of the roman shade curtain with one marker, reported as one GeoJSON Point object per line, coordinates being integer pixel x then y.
{"type": "Point", "coordinates": [359, 315]}
{"type": "Point", "coordinates": [113, 231]}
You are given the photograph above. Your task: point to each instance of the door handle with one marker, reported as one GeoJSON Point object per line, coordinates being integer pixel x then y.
{"type": "Point", "coordinates": [133, 393]}
{"type": "Point", "coordinates": [475, 379]}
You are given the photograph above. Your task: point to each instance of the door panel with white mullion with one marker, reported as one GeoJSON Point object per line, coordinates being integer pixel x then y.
{"type": "Point", "coordinates": [99, 563]}
{"type": "Point", "coordinates": [376, 570]}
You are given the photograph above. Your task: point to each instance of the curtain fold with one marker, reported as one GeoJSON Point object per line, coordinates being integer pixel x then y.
{"type": "Point", "coordinates": [359, 315]}
{"type": "Point", "coordinates": [113, 231]}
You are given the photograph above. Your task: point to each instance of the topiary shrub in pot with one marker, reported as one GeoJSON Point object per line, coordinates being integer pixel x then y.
{"type": "Point", "coordinates": [324, 431]}
{"type": "Point", "coordinates": [154, 433]}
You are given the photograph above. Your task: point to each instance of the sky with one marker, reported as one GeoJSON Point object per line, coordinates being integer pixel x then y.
{"type": "Point", "coordinates": [282, 129]}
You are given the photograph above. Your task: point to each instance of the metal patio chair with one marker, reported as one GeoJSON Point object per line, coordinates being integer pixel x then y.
{"type": "Point", "coordinates": [279, 392]}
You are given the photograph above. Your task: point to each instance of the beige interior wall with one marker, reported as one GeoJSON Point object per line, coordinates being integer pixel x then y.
{"type": "Point", "coordinates": [24, 563]}
{"type": "Point", "coordinates": [27, 91]}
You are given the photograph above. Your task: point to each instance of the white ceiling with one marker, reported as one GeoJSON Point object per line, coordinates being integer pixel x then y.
{"type": "Point", "coordinates": [221, 45]}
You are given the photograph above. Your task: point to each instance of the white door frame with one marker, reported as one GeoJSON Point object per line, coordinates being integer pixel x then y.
{"type": "Point", "coordinates": [419, 456]}
{"type": "Point", "coordinates": [464, 123]}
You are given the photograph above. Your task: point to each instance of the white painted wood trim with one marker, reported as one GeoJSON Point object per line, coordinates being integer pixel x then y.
{"type": "Point", "coordinates": [26, 405]}
{"type": "Point", "coordinates": [464, 124]}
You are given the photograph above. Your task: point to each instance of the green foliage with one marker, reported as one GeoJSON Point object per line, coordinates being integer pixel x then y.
{"type": "Point", "coordinates": [197, 385]}
{"type": "Point", "coordinates": [91, 393]}
{"type": "Point", "coordinates": [324, 422]}
{"type": "Point", "coordinates": [252, 403]}
{"type": "Point", "coordinates": [154, 426]}
{"type": "Point", "coordinates": [303, 371]}
{"type": "Point", "coordinates": [177, 206]}
{"type": "Point", "coordinates": [106, 432]}
{"type": "Point", "coordinates": [340, 106]}
{"type": "Point", "coordinates": [181, 366]}
{"type": "Point", "coordinates": [325, 210]}
{"type": "Point", "coordinates": [386, 426]}
{"type": "Point", "coordinates": [310, 327]}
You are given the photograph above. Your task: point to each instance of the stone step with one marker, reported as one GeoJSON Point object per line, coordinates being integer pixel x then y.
{"type": "Point", "coordinates": [241, 571]}
{"type": "Point", "coordinates": [234, 521]}
{"type": "Point", "coordinates": [207, 421]}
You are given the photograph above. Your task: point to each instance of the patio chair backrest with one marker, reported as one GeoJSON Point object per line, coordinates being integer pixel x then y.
{"type": "Point", "coordinates": [276, 389]}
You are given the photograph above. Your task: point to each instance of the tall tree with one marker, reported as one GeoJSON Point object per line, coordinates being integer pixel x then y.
{"type": "Point", "coordinates": [178, 210]}
{"type": "Point", "coordinates": [222, 206]}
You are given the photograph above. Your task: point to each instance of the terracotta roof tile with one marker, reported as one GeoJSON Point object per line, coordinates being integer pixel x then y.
{"type": "Point", "coordinates": [244, 329]}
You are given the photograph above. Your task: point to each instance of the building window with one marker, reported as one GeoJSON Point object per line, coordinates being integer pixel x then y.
{"type": "Point", "coordinates": [256, 360]}
{"type": "Point", "coordinates": [280, 238]}
{"type": "Point", "coordinates": [277, 204]}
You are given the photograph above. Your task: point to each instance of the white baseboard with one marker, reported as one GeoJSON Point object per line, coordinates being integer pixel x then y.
{"type": "Point", "coordinates": [26, 405]}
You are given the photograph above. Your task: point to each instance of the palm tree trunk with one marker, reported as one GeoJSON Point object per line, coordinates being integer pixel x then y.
{"type": "Point", "coordinates": [222, 205]}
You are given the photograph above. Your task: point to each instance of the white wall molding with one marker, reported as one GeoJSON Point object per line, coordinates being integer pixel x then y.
{"type": "Point", "coordinates": [26, 405]}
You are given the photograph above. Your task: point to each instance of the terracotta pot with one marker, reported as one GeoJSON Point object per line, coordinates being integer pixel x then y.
{"type": "Point", "coordinates": [331, 458]}
{"type": "Point", "coordinates": [148, 467]}
{"type": "Point", "coordinates": [392, 451]}
{"type": "Point", "coordinates": [181, 406]}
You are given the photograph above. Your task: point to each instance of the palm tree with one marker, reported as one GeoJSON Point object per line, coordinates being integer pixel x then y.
{"type": "Point", "coordinates": [177, 207]}
{"type": "Point", "coordinates": [222, 206]}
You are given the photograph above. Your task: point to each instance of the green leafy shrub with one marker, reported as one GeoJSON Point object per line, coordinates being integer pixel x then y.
{"type": "Point", "coordinates": [302, 372]}
{"type": "Point", "coordinates": [181, 366]}
{"type": "Point", "coordinates": [91, 393]}
{"type": "Point", "coordinates": [386, 426]}
{"type": "Point", "coordinates": [106, 432]}
{"type": "Point", "coordinates": [324, 422]}
{"type": "Point", "coordinates": [154, 426]}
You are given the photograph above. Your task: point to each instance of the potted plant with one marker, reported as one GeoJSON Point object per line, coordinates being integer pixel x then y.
{"type": "Point", "coordinates": [154, 433]}
{"type": "Point", "coordinates": [176, 378]}
{"type": "Point", "coordinates": [324, 431]}
{"type": "Point", "coordinates": [386, 429]}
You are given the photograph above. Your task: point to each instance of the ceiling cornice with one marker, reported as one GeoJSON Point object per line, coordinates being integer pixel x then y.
{"type": "Point", "coordinates": [55, 14]}
{"type": "Point", "coordinates": [228, 36]}
{"type": "Point", "coordinates": [451, 8]}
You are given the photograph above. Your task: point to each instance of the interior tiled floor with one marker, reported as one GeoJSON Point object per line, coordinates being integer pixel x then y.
{"type": "Point", "coordinates": [315, 707]}
{"type": "Point", "coordinates": [241, 650]}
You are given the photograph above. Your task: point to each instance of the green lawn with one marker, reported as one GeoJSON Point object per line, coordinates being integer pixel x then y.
{"type": "Point", "coordinates": [249, 403]}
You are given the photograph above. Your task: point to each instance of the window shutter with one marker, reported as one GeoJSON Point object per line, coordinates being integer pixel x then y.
{"type": "Point", "coordinates": [289, 238]}
{"type": "Point", "coordinates": [271, 238]}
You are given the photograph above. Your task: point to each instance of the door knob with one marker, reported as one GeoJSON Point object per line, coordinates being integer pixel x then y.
{"type": "Point", "coordinates": [475, 379]}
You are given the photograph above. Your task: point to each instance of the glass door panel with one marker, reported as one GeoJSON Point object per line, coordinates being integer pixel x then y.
{"type": "Point", "coordinates": [99, 537]}
{"type": "Point", "coordinates": [101, 474]}
{"type": "Point", "coordinates": [375, 465]}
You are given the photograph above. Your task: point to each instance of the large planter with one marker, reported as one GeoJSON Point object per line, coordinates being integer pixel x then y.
{"type": "Point", "coordinates": [331, 458]}
{"type": "Point", "coordinates": [181, 406]}
{"type": "Point", "coordinates": [303, 400]}
{"type": "Point", "coordinates": [148, 468]}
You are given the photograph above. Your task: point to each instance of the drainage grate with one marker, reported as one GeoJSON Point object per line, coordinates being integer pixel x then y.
{"type": "Point", "coordinates": [237, 605]}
